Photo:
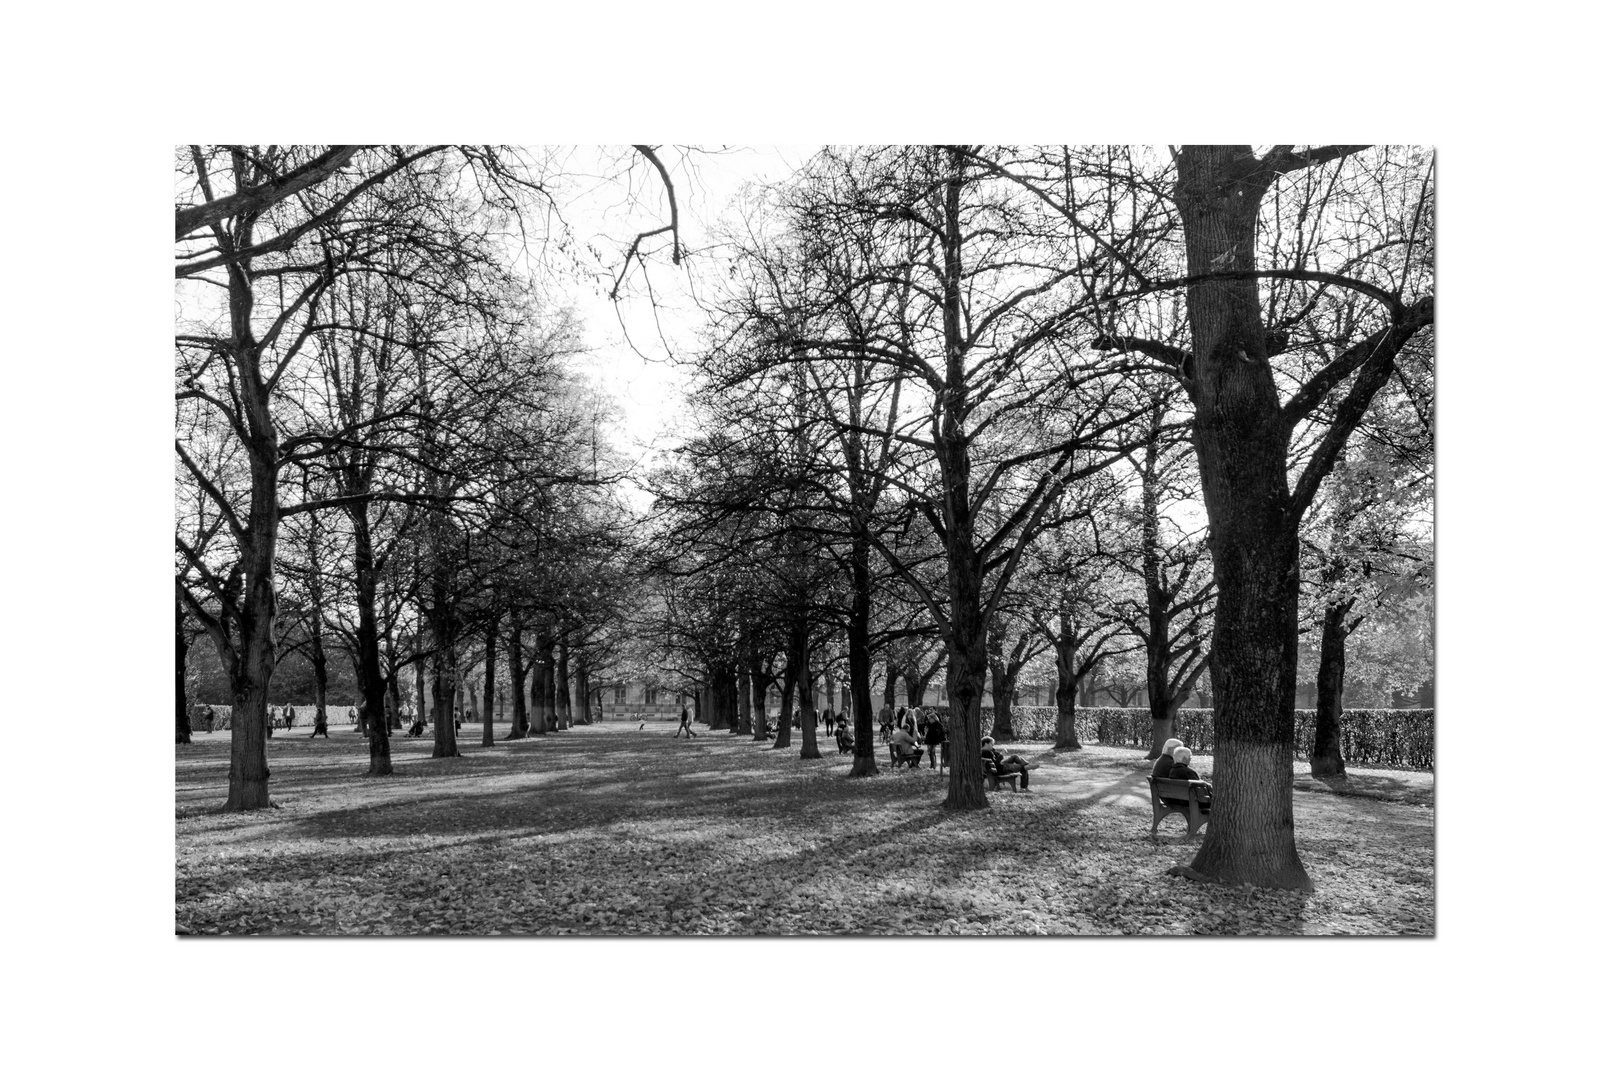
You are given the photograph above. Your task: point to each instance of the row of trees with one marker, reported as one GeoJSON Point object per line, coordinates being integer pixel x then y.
{"type": "Point", "coordinates": [962, 408]}
{"type": "Point", "coordinates": [1085, 400]}
{"type": "Point", "coordinates": [384, 441]}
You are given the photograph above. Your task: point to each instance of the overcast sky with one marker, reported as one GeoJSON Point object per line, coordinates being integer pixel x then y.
{"type": "Point", "coordinates": [630, 342]}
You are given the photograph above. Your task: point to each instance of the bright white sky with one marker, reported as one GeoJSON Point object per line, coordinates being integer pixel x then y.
{"type": "Point", "coordinates": [633, 358]}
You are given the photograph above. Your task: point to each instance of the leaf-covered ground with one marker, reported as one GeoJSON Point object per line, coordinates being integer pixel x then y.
{"type": "Point", "coordinates": [613, 830]}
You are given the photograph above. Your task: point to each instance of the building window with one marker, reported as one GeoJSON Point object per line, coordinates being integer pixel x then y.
{"type": "Point", "coordinates": [618, 695]}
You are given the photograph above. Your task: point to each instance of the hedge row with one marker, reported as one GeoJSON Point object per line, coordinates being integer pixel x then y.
{"type": "Point", "coordinates": [1403, 737]}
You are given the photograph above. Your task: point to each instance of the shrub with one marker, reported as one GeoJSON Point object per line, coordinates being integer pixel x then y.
{"type": "Point", "coordinates": [1400, 737]}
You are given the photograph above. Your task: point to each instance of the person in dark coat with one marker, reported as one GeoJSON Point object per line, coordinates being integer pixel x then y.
{"type": "Point", "coordinates": [1183, 770]}
{"type": "Point", "coordinates": [208, 716]}
{"type": "Point", "coordinates": [320, 725]}
{"type": "Point", "coordinates": [1004, 764]}
{"type": "Point", "coordinates": [933, 735]}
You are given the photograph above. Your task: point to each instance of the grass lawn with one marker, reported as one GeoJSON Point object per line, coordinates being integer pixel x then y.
{"type": "Point", "coordinates": [613, 830]}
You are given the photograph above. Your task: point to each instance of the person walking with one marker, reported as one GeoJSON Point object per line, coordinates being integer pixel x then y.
{"type": "Point", "coordinates": [686, 724]}
{"type": "Point", "coordinates": [320, 725]}
{"type": "Point", "coordinates": [933, 735]}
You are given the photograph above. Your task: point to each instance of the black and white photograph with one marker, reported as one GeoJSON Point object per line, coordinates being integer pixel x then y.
{"type": "Point", "coordinates": [856, 539]}
{"type": "Point", "coordinates": [927, 539]}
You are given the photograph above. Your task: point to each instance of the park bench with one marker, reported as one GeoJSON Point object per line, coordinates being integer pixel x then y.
{"type": "Point", "coordinates": [996, 779]}
{"type": "Point", "coordinates": [1177, 797]}
{"type": "Point", "coordinates": [1009, 778]}
{"type": "Point", "coordinates": [896, 760]}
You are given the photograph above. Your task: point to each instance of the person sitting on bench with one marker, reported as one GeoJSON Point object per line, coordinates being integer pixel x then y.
{"type": "Point", "coordinates": [1161, 767]}
{"type": "Point", "coordinates": [1183, 770]}
{"type": "Point", "coordinates": [1004, 764]}
{"type": "Point", "coordinates": [906, 750]}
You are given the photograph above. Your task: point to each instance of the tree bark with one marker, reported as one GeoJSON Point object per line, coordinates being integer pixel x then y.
{"type": "Point", "coordinates": [565, 702]}
{"type": "Point", "coordinates": [182, 716]}
{"type": "Point", "coordinates": [807, 702]}
{"type": "Point", "coordinates": [1002, 681]}
{"type": "Point", "coordinates": [1327, 758]}
{"type": "Point", "coordinates": [317, 661]}
{"type": "Point", "coordinates": [368, 659]}
{"type": "Point", "coordinates": [761, 684]}
{"type": "Point", "coordinates": [966, 653]}
{"type": "Point", "coordinates": [490, 634]}
{"type": "Point", "coordinates": [541, 688]}
{"type": "Point", "coordinates": [249, 785]}
{"type": "Point", "coordinates": [1068, 736]}
{"type": "Point", "coordinates": [860, 654]}
{"type": "Point", "coordinates": [1242, 449]}
{"type": "Point", "coordinates": [514, 669]}
{"type": "Point", "coordinates": [442, 630]}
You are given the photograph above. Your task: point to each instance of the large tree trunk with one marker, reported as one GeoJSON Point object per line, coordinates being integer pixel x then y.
{"type": "Point", "coordinates": [441, 623]}
{"type": "Point", "coordinates": [1327, 758]}
{"type": "Point", "coordinates": [1001, 697]}
{"type": "Point", "coordinates": [745, 724]}
{"type": "Point", "coordinates": [368, 658]}
{"type": "Point", "coordinates": [489, 681]}
{"type": "Point", "coordinates": [582, 690]}
{"type": "Point", "coordinates": [317, 661]}
{"type": "Point", "coordinates": [784, 724]}
{"type": "Point", "coordinates": [541, 688]}
{"type": "Point", "coordinates": [860, 656]}
{"type": "Point", "coordinates": [761, 683]}
{"type": "Point", "coordinates": [249, 787]}
{"type": "Point", "coordinates": [421, 690]}
{"type": "Point", "coordinates": [1068, 736]}
{"type": "Point", "coordinates": [966, 653]}
{"type": "Point", "coordinates": [715, 697]}
{"type": "Point", "coordinates": [514, 670]}
{"type": "Point", "coordinates": [565, 703]}
{"type": "Point", "coordinates": [807, 702]}
{"type": "Point", "coordinates": [1242, 448]}
{"type": "Point", "coordinates": [182, 717]}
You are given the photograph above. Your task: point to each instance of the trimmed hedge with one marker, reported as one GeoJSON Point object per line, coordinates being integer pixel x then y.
{"type": "Point", "coordinates": [1402, 737]}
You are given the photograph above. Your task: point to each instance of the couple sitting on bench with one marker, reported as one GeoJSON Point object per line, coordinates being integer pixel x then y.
{"type": "Point", "coordinates": [1175, 763]}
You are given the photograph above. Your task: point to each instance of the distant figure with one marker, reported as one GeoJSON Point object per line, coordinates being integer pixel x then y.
{"type": "Point", "coordinates": [686, 724]}
{"type": "Point", "coordinates": [354, 718]}
{"type": "Point", "coordinates": [906, 750]}
{"type": "Point", "coordinates": [933, 735]}
{"type": "Point", "coordinates": [1004, 764]}
{"type": "Point", "coordinates": [208, 716]}
{"type": "Point", "coordinates": [885, 715]}
{"type": "Point", "coordinates": [846, 745]}
{"type": "Point", "coordinates": [827, 719]}
{"type": "Point", "coordinates": [288, 716]}
{"type": "Point", "coordinates": [1161, 767]}
{"type": "Point", "coordinates": [320, 725]}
